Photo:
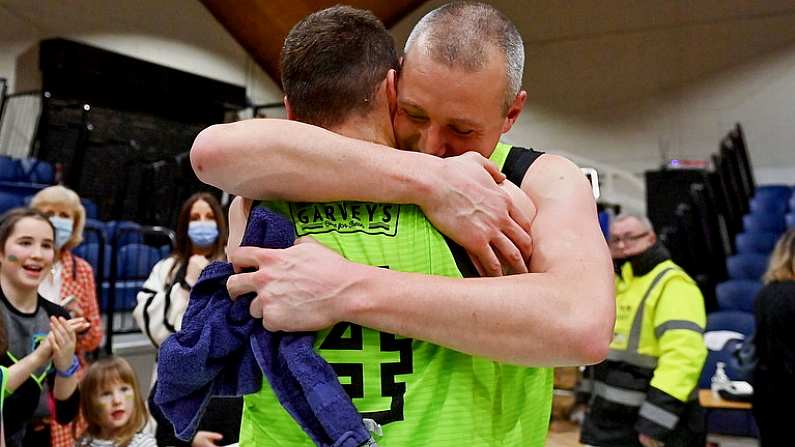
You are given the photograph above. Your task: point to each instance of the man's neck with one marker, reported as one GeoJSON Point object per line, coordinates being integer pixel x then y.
{"type": "Point", "coordinates": [366, 129]}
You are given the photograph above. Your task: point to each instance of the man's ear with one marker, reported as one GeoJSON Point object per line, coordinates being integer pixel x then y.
{"type": "Point", "coordinates": [290, 114]}
{"type": "Point", "coordinates": [391, 90]}
{"type": "Point", "coordinates": [514, 110]}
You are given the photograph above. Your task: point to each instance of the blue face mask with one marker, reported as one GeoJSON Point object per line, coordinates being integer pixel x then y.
{"type": "Point", "coordinates": [63, 230]}
{"type": "Point", "coordinates": [203, 233]}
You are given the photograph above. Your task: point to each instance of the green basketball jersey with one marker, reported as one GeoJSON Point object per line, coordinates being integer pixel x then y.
{"type": "Point", "coordinates": [422, 394]}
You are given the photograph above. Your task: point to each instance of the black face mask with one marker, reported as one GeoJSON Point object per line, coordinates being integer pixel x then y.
{"type": "Point", "coordinates": [644, 262]}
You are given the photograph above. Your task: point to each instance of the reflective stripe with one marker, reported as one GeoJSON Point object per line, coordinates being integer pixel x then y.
{"type": "Point", "coordinates": [677, 324]}
{"type": "Point", "coordinates": [637, 323]}
{"type": "Point", "coordinates": [658, 415]}
{"type": "Point", "coordinates": [619, 395]}
{"type": "Point", "coordinates": [585, 386]}
{"type": "Point", "coordinates": [633, 358]}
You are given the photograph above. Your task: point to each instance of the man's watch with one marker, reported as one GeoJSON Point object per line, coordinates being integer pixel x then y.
{"type": "Point", "coordinates": [72, 369]}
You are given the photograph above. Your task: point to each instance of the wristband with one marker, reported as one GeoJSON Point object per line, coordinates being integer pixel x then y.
{"type": "Point", "coordinates": [72, 369]}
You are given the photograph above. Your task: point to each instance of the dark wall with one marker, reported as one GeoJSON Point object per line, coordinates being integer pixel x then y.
{"type": "Point", "coordinates": [122, 127]}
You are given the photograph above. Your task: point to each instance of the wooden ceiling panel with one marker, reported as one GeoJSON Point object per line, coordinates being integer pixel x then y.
{"type": "Point", "coordinates": [260, 26]}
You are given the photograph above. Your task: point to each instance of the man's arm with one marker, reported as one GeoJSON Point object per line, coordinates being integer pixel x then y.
{"type": "Point", "coordinates": [562, 315]}
{"type": "Point", "coordinates": [288, 160]}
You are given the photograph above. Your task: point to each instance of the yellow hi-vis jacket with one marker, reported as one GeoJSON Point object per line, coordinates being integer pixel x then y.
{"type": "Point", "coordinates": [655, 359]}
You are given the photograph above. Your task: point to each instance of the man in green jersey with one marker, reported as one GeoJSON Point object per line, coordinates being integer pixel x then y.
{"type": "Point", "coordinates": [562, 313]}
{"type": "Point", "coordinates": [459, 89]}
{"type": "Point", "coordinates": [420, 393]}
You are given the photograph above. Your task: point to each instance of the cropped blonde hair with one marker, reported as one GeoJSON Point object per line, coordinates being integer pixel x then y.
{"type": "Point", "coordinates": [58, 194]}
{"type": "Point", "coordinates": [782, 260]}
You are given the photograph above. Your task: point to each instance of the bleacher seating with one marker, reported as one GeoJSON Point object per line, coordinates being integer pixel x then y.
{"type": "Point", "coordinates": [134, 263]}
{"type": "Point", "coordinates": [737, 294]}
{"type": "Point", "coordinates": [747, 266]}
{"type": "Point", "coordinates": [756, 242]}
{"type": "Point", "coordinates": [767, 205]}
{"type": "Point", "coordinates": [774, 192]}
{"type": "Point", "coordinates": [9, 200]}
{"type": "Point", "coordinates": [24, 177]}
{"type": "Point", "coordinates": [764, 223]}
{"type": "Point", "coordinates": [90, 207]}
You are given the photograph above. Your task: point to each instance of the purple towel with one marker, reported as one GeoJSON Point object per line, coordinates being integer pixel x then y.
{"type": "Point", "coordinates": [222, 351]}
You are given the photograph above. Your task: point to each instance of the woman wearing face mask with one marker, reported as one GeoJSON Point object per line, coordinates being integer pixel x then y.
{"type": "Point", "coordinates": [201, 238]}
{"type": "Point", "coordinates": [70, 283]}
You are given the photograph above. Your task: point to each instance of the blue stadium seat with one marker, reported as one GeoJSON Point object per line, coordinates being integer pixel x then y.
{"type": "Point", "coordinates": [729, 422]}
{"type": "Point", "coordinates": [9, 200]}
{"type": "Point", "coordinates": [90, 252]}
{"type": "Point", "coordinates": [780, 192]}
{"type": "Point", "coordinates": [10, 170]}
{"type": "Point", "coordinates": [789, 219]}
{"type": "Point", "coordinates": [123, 232]}
{"type": "Point", "coordinates": [761, 243]}
{"type": "Point", "coordinates": [134, 263]}
{"type": "Point", "coordinates": [746, 266]}
{"type": "Point", "coordinates": [94, 230]}
{"type": "Point", "coordinates": [769, 205]}
{"type": "Point", "coordinates": [165, 251]}
{"type": "Point", "coordinates": [737, 294]}
{"type": "Point", "coordinates": [792, 203]}
{"type": "Point", "coordinates": [37, 171]}
{"type": "Point", "coordinates": [91, 208]}
{"type": "Point", "coordinates": [763, 223]}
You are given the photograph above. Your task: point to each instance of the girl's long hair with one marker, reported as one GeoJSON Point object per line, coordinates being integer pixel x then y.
{"type": "Point", "coordinates": [103, 374]}
{"type": "Point", "coordinates": [782, 260]}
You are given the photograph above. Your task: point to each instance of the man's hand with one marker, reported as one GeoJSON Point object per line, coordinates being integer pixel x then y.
{"type": "Point", "coordinates": [648, 441]}
{"type": "Point", "coordinates": [300, 288]}
{"type": "Point", "coordinates": [469, 207]}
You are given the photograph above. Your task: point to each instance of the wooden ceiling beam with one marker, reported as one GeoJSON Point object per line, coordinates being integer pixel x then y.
{"type": "Point", "coordinates": [260, 26]}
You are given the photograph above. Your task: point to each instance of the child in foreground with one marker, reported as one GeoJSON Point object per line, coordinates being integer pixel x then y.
{"type": "Point", "coordinates": [113, 406]}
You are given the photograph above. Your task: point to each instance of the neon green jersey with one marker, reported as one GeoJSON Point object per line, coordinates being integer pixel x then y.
{"type": "Point", "coordinates": [422, 394]}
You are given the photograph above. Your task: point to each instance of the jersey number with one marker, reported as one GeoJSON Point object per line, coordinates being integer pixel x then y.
{"type": "Point", "coordinates": [337, 339]}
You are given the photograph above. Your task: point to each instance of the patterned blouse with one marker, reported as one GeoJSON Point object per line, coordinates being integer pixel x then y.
{"type": "Point", "coordinates": [78, 279]}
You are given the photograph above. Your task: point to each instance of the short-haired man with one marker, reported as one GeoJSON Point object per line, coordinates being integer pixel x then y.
{"type": "Point", "coordinates": [420, 393]}
{"type": "Point", "coordinates": [560, 314]}
{"type": "Point", "coordinates": [643, 394]}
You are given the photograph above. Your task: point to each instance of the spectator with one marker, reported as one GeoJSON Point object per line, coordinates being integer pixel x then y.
{"type": "Point", "coordinates": [113, 406]}
{"type": "Point", "coordinates": [643, 393]}
{"type": "Point", "coordinates": [775, 345]}
{"type": "Point", "coordinates": [201, 238]}
{"type": "Point", "coordinates": [27, 244]}
{"type": "Point", "coordinates": [71, 283]}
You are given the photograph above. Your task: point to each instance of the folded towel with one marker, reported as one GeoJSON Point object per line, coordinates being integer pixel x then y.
{"type": "Point", "coordinates": [222, 351]}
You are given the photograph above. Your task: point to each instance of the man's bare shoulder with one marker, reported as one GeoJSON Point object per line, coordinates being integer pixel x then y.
{"type": "Point", "coordinates": [553, 177]}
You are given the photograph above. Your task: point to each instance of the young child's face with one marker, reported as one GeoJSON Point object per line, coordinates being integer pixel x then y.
{"type": "Point", "coordinates": [117, 404]}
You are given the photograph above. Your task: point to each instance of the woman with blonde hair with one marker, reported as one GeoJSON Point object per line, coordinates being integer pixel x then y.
{"type": "Point", "coordinates": [774, 374]}
{"type": "Point", "coordinates": [70, 283]}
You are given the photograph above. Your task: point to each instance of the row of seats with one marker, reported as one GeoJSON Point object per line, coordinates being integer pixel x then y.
{"type": "Point", "coordinates": [16, 197]}
{"type": "Point", "coordinates": [770, 213]}
{"type": "Point", "coordinates": [24, 176]}
{"type": "Point", "coordinates": [122, 243]}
